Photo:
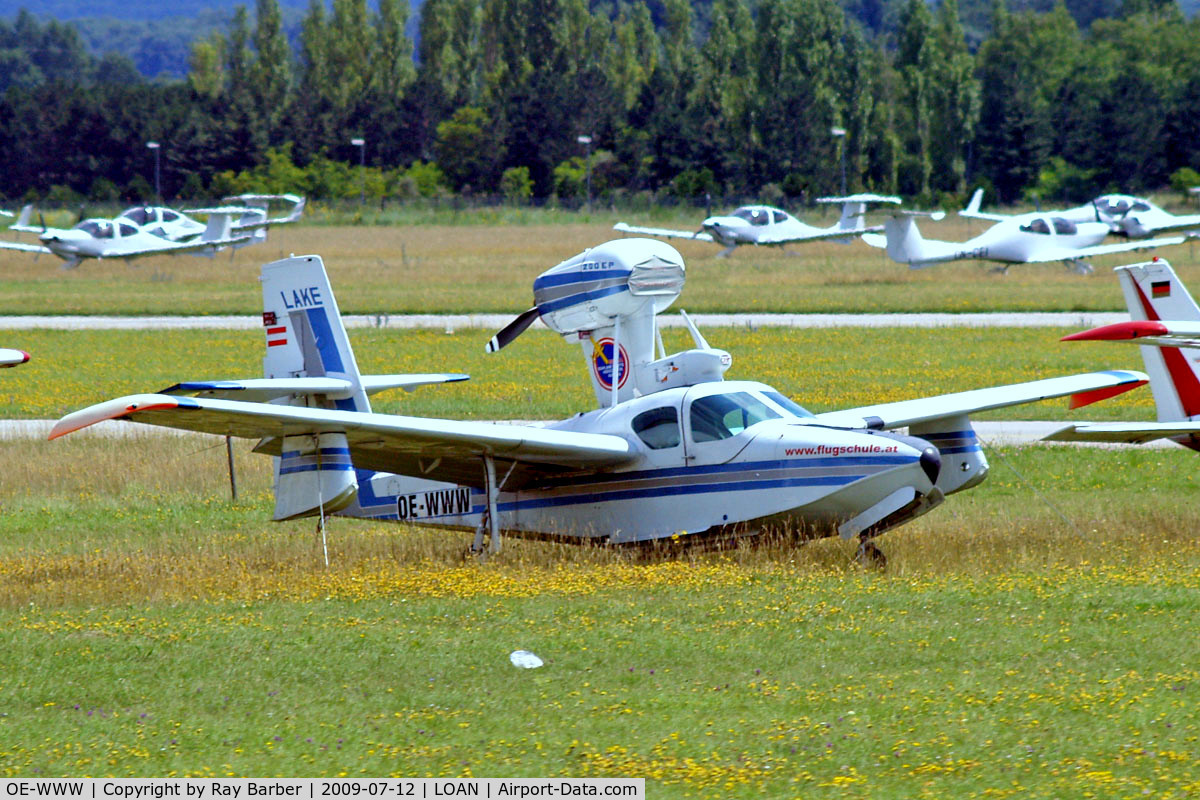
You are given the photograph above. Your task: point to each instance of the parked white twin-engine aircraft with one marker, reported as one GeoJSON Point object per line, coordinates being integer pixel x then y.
{"type": "Point", "coordinates": [1166, 322]}
{"type": "Point", "coordinates": [250, 214]}
{"type": "Point", "coordinates": [106, 238]}
{"type": "Point", "coordinates": [766, 225]}
{"type": "Point", "coordinates": [1125, 215]}
{"type": "Point", "coordinates": [1022, 239]}
{"type": "Point", "coordinates": [673, 451]}
{"type": "Point", "coordinates": [11, 358]}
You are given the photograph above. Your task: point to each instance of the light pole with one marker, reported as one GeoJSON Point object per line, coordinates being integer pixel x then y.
{"type": "Point", "coordinates": [155, 146]}
{"type": "Point", "coordinates": [361, 144]}
{"type": "Point", "coordinates": [587, 142]}
{"type": "Point", "coordinates": [840, 135]}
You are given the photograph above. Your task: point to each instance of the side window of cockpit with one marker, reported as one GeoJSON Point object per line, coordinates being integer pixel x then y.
{"type": "Point", "coordinates": [721, 416]}
{"type": "Point", "coordinates": [658, 428]}
{"type": "Point", "coordinates": [136, 215]}
{"type": "Point", "coordinates": [169, 216]}
{"type": "Point", "coordinates": [1037, 226]}
{"type": "Point", "coordinates": [778, 216]}
{"type": "Point", "coordinates": [759, 218]}
{"type": "Point", "coordinates": [1065, 226]}
{"type": "Point", "coordinates": [127, 230]}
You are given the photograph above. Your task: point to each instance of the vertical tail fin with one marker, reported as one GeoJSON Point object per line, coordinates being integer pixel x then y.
{"type": "Point", "coordinates": [904, 240]}
{"type": "Point", "coordinates": [305, 334]}
{"type": "Point", "coordinates": [306, 338]}
{"type": "Point", "coordinates": [852, 216]}
{"type": "Point", "coordinates": [1154, 292]}
{"type": "Point", "coordinates": [24, 217]}
{"type": "Point", "coordinates": [220, 227]}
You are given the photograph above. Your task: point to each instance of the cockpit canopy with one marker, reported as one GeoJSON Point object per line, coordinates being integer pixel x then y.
{"type": "Point", "coordinates": [105, 229]}
{"type": "Point", "coordinates": [1044, 225]}
{"type": "Point", "coordinates": [1117, 205]}
{"type": "Point", "coordinates": [754, 215]}
{"type": "Point", "coordinates": [713, 417]}
{"type": "Point", "coordinates": [148, 215]}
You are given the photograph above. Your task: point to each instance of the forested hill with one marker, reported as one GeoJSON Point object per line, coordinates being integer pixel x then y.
{"type": "Point", "coordinates": [156, 36]}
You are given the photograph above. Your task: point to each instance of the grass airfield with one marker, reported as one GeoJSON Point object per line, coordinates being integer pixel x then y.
{"type": "Point", "coordinates": [1033, 637]}
{"type": "Point", "coordinates": [481, 264]}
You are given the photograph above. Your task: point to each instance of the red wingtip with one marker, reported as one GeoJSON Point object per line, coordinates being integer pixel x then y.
{"type": "Point", "coordinates": [1081, 399]}
{"type": "Point", "coordinates": [1119, 331]}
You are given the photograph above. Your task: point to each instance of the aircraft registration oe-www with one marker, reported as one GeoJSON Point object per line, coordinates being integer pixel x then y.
{"type": "Point", "coordinates": [672, 452]}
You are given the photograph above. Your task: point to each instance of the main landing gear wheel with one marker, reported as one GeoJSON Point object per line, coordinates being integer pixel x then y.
{"type": "Point", "coordinates": [869, 555]}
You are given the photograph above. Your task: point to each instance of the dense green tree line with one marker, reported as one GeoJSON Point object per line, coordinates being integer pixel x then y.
{"type": "Point", "coordinates": [743, 103]}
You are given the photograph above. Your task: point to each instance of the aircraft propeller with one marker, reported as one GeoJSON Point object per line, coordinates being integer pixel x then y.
{"type": "Point", "coordinates": [512, 330]}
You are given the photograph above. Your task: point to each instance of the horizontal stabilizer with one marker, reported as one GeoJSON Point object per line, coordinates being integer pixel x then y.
{"type": "Point", "coordinates": [861, 198]}
{"type": "Point", "coordinates": [1123, 432]}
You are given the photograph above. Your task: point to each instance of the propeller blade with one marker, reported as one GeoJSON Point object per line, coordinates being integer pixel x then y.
{"type": "Point", "coordinates": [42, 219]}
{"type": "Point", "coordinates": [512, 330]}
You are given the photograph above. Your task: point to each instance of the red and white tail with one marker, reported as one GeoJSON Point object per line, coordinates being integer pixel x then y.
{"type": "Point", "coordinates": [1154, 293]}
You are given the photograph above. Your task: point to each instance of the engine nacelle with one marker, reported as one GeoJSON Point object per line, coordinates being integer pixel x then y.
{"type": "Point", "coordinates": [624, 278]}
{"type": "Point", "coordinates": [963, 463]}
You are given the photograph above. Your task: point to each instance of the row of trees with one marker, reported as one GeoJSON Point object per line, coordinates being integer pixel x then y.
{"type": "Point", "coordinates": [500, 90]}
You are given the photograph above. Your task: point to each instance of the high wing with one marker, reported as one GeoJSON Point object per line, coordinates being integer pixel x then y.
{"type": "Point", "coordinates": [438, 449]}
{"type": "Point", "coordinates": [698, 235]}
{"type": "Point", "coordinates": [25, 248]}
{"type": "Point", "coordinates": [1106, 249]}
{"type": "Point", "coordinates": [1163, 334]}
{"type": "Point", "coordinates": [1123, 432]}
{"type": "Point", "coordinates": [1085, 388]}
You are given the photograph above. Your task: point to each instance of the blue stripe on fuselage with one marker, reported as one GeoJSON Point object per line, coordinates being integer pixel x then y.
{"type": "Point", "coordinates": [563, 278]}
{"type": "Point", "coordinates": [570, 300]}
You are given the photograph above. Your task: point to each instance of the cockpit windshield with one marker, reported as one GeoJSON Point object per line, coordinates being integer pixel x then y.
{"type": "Point", "coordinates": [787, 404]}
{"type": "Point", "coordinates": [721, 416]}
{"type": "Point", "coordinates": [755, 216]}
{"type": "Point", "coordinates": [1038, 225]}
{"type": "Point", "coordinates": [98, 229]}
{"type": "Point", "coordinates": [138, 216]}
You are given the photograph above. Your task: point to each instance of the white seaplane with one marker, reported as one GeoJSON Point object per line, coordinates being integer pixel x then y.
{"type": "Point", "coordinates": [674, 450]}
{"type": "Point", "coordinates": [11, 358]}
{"type": "Point", "coordinates": [1125, 215]}
{"type": "Point", "coordinates": [107, 238]}
{"type": "Point", "coordinates": [1165, 321]}
{"type": "Point", "coordinates": [1033, 238]}
{"type": "Point", "coordinates": [767, 225]}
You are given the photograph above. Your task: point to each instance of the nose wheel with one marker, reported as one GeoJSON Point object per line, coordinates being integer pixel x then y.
{"type": "Point", "coordinates": [869, 555]}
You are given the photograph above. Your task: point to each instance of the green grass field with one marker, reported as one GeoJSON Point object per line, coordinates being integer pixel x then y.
{"type": "Point", "coordinates": [541, 377]}
{"type": "Point", "coordinates": [490, 267]}
{"type": "Point", "coordinates": [151, 628]}
{"type": "Point", "coordinates": [1033, 637]}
